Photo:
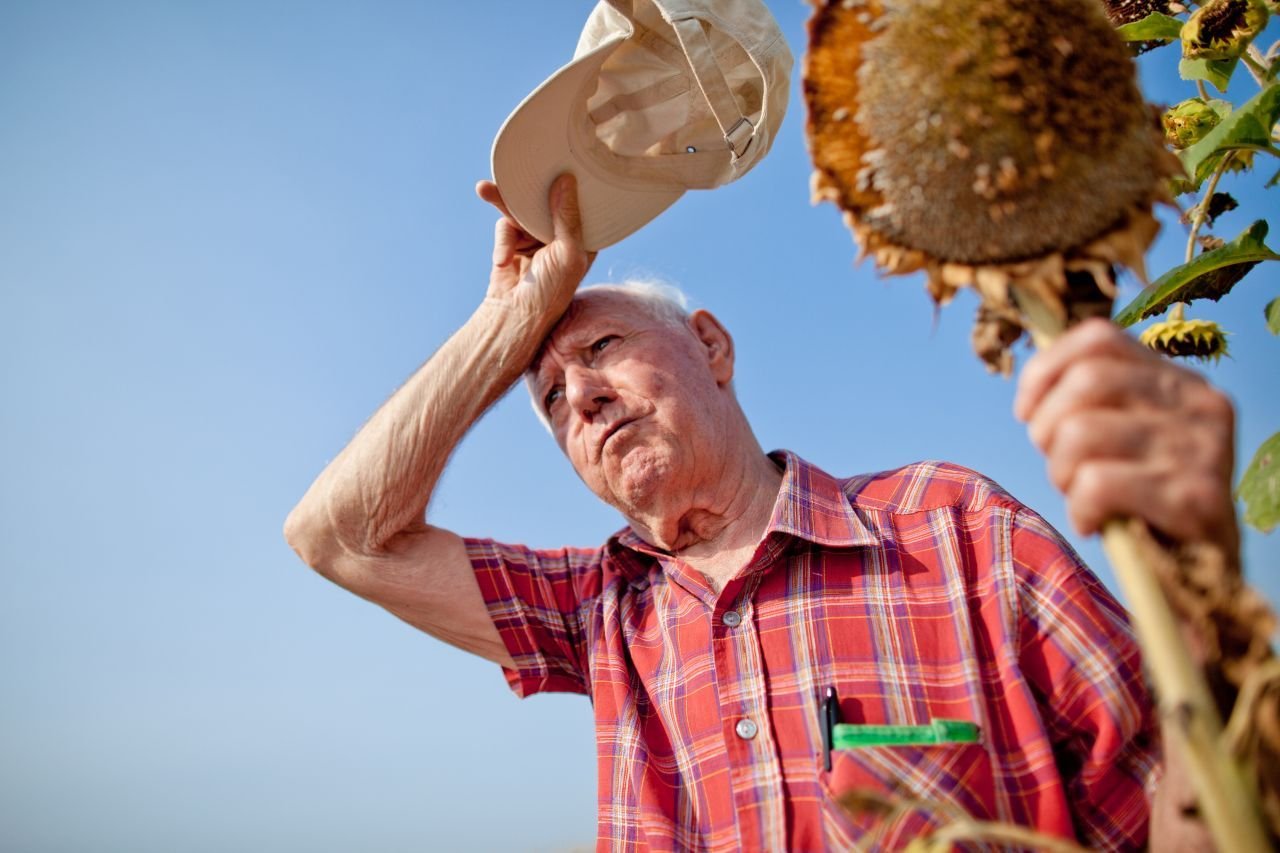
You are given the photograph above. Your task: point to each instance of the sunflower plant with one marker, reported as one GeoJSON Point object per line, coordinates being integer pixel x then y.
{"type": "Point", "coordinates": [1004, 146]}
{"type": "Point", "coordinates": [1214, 137]}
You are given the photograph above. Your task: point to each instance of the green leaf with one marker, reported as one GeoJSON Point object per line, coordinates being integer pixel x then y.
{"type": "Point", "coordinates": [1209, 276]}
{"type": "Point", "coordinates": [1275, 179]}
{"type": "Point", "coordinates": [1248, 127]}
{"type": "Point", "coordinates": [1221, 107]}
{"type": "Point", "coordinates": [1154, 27]}
{"type": "Point", "coordinates": [1215, 71]}
{"type": "Point", "coordinates": [1260, 486]}
{"type": "Point", "coordinates": [1272, 313]}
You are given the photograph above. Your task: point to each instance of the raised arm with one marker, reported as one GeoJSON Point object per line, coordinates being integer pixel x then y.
{"type": "Point", "coordinates": [361, 524]}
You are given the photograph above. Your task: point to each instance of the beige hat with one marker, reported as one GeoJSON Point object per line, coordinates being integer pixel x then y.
{"type": "Point", "coordinates": [661, 96]}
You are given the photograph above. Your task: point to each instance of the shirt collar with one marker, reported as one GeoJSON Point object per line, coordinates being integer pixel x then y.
{"type": "Point", "coordinates": [811, 505]}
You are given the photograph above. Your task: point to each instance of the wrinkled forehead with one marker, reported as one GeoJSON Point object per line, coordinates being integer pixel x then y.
{"type": "Point", "coordinates": [589, 312]}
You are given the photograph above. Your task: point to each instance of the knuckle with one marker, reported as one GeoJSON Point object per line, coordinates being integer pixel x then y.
{"type": "Point", "coordinates": [1060, 473]}
{"type": "Point", "coordinates": [1217, 405]}
{"type": "Point", "coordinates": [1101, 329]}
{"type": "Point", "coordinates": [1088, 375]}
{"type": "Point", "coordinates": [1084, 500]}
{"type": "Point", "coordinates": [1041, 431]}
{"type": "Point", "coordinates": [1171, 385]}
{"type": "Point", "coordinates": [1072, 439]}
{"type": "Point", "coordinates": [1098, 333]}
{"type": "Point", "coordinates": [1090, 489]}
{"type": "Point", "coordinates": [1091, 498]}
{"type": "Point", "coordinates": [1190, 506]}
{"type": "Point", "coordinates": [575, 264]}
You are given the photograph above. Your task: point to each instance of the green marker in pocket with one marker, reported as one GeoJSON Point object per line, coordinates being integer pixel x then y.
{"type": "Point", "coordinates": [849, 736]}
{"type": "Point", "coordinates": [838, 735]}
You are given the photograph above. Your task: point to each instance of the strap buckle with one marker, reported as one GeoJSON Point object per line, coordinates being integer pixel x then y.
{"type": "Point", "coordinates": [739, 137]}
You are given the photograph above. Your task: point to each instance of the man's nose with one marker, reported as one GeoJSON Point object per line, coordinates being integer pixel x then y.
{"type": "Point", "coordinates": [587, 391]}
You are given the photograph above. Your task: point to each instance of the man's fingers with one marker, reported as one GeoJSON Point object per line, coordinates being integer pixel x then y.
{"type": "Point", "coordinates": [1190, 509]}
{"type": "Point", "coordinates": [488, 192]}
{"type": "Point", "coordinates": [566, 215]}
{"type": "Point", "coordinates": [1090, 338]}
{"type": "Point", "coordinates": [1104, 489]}
{"type": "Point", "coordinates": [559, 266]}
{"type": "Point", "coordinates": [505, 238]}
{"type": "Point", "coordinates": [1092, 436]}
{"type": "Point", "coordinates": [514, 239]}
{"type": "Point", "coordinates": [1099, 382]}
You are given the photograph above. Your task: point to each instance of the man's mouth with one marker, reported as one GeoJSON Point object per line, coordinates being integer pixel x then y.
{"type": "Point", "coordinates": [613, 430]}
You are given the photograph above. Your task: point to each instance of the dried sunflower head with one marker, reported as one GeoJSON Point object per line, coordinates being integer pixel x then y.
{"type": "Point", "coordinates": [1186, 339]}
{"type": "Point", "coordinates": [995, 144]}
{"type": "Point", "coordinates": [1129, 11]}
{"type": "Point", "coordinates": [1222, 29]}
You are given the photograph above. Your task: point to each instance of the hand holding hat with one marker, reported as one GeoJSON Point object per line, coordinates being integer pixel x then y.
{"type": "Point", "coordinates": [662, 96]}
{"type": "Point", "coordinates": [538, 277]}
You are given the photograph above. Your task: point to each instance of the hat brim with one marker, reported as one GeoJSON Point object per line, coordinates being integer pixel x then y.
{"type": "Point", "coordinates": [536, 144]}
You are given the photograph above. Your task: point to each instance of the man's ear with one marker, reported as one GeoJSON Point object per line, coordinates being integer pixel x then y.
{"type": "Point", "coordinates": [717, 344]}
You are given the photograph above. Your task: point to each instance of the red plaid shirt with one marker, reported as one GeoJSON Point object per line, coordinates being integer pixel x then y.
{"type": "Point", "coordinates": [922, 593]}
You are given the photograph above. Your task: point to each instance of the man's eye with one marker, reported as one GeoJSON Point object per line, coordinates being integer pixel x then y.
{"type": "Point", "coordinates": [552, 397]}
{"type": "Point", "coordinates": [599, 345]}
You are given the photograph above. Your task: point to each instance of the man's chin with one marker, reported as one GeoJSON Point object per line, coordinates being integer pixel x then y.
{"type": "Point", "coordinates": [638, 480]}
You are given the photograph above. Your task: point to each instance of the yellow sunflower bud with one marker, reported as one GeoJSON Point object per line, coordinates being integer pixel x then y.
{"type": "Point", "coordinates": [1186, 123]}
{"type": "Point", "coordinates": [1186, 339]}
{"type": "Point", "coordinates": [1222, 29]}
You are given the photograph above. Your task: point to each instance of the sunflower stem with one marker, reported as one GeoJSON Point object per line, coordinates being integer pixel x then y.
{"type": "Point", "coordinates": [1202, 209]}
{"type": "Point", "coordinates": [1184, 704]}
{"type": "Point", "coordinates": [1257, 65]}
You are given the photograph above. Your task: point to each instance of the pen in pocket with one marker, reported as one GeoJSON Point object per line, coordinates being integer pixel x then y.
{"type": "Point", "coordinates": [838, 735]}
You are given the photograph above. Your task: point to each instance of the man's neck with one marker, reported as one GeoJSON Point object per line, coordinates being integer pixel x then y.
{"type": "Point", "coordinates": [719, 530]}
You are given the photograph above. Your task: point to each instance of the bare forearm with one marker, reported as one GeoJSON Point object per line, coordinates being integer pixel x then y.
{"type": "Point", "coordinates": [379, 485]}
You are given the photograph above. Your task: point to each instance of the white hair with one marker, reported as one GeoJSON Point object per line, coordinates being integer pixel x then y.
{"type": "Point", "coordinates": [664, 301]}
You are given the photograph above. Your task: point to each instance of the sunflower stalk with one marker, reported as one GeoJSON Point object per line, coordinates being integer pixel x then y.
{"type": "Point", "coordinates": [1202, 210]}
{"type": "Point", "coordinates": [1185, 706]}
{"type": "Point", "coordinates": [1004, 146]}
{"type": "Point", "coordinates": [1202, 214]}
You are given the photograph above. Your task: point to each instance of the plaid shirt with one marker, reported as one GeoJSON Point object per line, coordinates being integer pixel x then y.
{"type": "Point", "coordinates": [922, 593]}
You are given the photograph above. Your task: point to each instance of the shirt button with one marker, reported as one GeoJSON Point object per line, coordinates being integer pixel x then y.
{"type": "Point", "coordinates": [731, 618]}
{"type": "Point", "coordinates": [746, 729]}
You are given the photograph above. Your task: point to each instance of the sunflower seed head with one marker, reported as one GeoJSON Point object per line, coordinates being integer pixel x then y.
{"type": "Point", "coordinates": [1200, 339]}
{"type": "Point", "coordinates": [1222, 29]}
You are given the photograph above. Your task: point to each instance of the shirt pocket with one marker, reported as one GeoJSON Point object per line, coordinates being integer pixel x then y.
{"type": "Point", "coordinates": [951, 778]}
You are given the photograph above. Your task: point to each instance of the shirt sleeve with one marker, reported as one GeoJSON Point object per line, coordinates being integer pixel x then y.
{"type": "Point", "coordinates": [1081, 658]}
{"type": "Point", "coordinates": [536, 600]}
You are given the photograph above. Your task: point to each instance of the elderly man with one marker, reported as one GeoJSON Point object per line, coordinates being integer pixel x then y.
{"type": "Point", "coordinates": [748, 588]}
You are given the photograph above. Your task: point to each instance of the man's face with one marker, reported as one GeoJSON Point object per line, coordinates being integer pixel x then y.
{"type": "Point", "coordinates": [635, 401]}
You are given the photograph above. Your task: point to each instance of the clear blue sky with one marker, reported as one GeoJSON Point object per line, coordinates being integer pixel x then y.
{"type": "Point", "coordinates": [227, 232]}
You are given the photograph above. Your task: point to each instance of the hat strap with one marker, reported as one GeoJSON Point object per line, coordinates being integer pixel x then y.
{"type": "Point", "coordinates": [737, 128]}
